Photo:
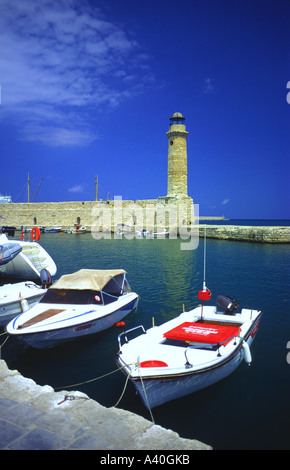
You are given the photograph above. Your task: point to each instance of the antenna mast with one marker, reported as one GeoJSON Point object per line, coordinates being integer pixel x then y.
{"type": "Point", "coordinates": [37, 190]}
{"type": "Point", "coordinates": [205, 293]}
{"type": "Point", "coordinates": [28, 187]}
{"type": "Point", "coordinates": [204, 261]}
{"type": "Point", "coordinates": [96, 187]}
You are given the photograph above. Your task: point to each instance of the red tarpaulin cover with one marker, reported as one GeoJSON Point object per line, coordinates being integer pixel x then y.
{"type": "Point", "coordinates": [202, 333]}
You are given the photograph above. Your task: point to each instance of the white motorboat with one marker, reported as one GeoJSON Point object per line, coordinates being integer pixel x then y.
{"type": "Point", "coordinates": [52, 229]}
{"type": "Point", "coordinates": [149, 234]}
{"type": "Point", "coordinates": [29, 261]}
{"type": "Point", "coordinates": [161, 234]}
{"type": "Point", "coordinates": [144, 234]}
{"type": "Point", "coordinates": [190, 352]}
{"type": "Point", "coordinates": [8, 251]}
{"type": "Point", "coordinates": [186, 354]}
{"type": "Point", "coordinates": [80, 229]}
{"type": "Point", "coordinates": [17, 298]}
{"type": "Point", "coordinates": [77, 229]}
{"type": "Point", "coordinates": [122, 230]}
{"type": "Point", "coordinates": [78, 304]}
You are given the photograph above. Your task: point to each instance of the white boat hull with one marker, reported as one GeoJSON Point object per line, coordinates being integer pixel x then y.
{"type": "Point", "coordinates": [148, 234]}
{"type": "Point", "coordinates": [16, 298]}
{"type": "Point", "coordinates": [71, 323]}
{"type": "Point", "coordinates": [163, 372]}
{"type": "Point", "coordinates": [29, 262]}
{"type": "Point", "coordinates": [20, 268]}
{"type": "Point", "coordinates": [160, 391]}
{"type": "Point", "coordinates": [52, 230]}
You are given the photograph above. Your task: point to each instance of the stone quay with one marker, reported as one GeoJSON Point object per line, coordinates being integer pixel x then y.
{"type": "Point", "coordinates": [260, 234]}
{"type": "Point", "coordinates": [34, 417]}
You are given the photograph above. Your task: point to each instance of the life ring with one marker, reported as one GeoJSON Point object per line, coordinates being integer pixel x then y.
{"type": "Point", "coordinates": [35, 233]}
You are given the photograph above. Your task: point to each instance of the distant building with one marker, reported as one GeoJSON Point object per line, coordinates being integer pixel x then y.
{"type": "Point", "coordinates": [4, 199]}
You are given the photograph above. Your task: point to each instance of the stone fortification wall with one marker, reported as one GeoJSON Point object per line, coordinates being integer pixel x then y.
{"type": "Point", "coordinates": [100, 215]}
{"type": "Point", "coordinates": [47, 214]}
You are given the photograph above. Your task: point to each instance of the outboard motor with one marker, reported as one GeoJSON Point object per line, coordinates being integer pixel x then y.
{"type": "Point", "coordinates": [45, 278]}
{"type": "Point", "coordinates": [228, 304]}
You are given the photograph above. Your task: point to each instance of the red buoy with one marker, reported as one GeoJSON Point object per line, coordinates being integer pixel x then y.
{"type": "Point", "coordinates": [35, 234]}
{"type": "Point", "coordinates": [204, 294]}
{"type": "Point", "coordinates": [153, 363]}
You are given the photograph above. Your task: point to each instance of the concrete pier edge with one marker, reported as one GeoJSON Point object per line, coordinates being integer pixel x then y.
{"type": "Point", "coordinates": [34, 417]}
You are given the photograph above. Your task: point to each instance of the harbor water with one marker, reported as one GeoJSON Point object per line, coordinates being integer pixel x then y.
{"type": "Point", "coordinates": [248, 410]}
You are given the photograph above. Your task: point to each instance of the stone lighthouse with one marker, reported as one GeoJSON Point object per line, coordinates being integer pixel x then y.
{"type": "Point", "coordinates": [177, 157]}
{"type": "Point", "coordinates": [177, 172]}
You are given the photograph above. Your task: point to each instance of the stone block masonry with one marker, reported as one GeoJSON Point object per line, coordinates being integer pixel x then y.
{"type": "Point", "coordinates": [177, 157]}
{"type": "Point", "coordinates": [48, 214]}
{"type": "Point", "coordinates": [101, 215]}
{"type": "Point", "coordinates": [34, 417]}
{"type": "Point", "coordinates": [259, 234]}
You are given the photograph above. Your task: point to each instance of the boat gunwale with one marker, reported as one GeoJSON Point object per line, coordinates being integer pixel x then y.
{"type": "Point", "coordinates": [17, 300]}
{"type": "Point", "coordinates": [21, 332]}
{"type": "Point", "coordinates": [184, 373]}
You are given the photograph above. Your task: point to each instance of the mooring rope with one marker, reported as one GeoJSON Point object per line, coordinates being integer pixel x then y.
{"type": "Point", "coordinates": [147, 401]}
{"type": "Point", "coordinates": [98, 378]}
{"type": "Point", "coordinates": [127, 379]}
{"type": "Point", "coordinates": [67, 397]}
{"type": "Point", "coordinates": [144, 390]}
{"type": "Point", "coordinates": [123, 391]}
{"type": "Point", "coordinates": [4, 340]}
{"type": "Point", "coordinates": [92, 380]}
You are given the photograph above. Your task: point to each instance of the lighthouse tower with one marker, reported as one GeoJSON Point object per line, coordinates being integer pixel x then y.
{"type": "Point", "coordinates": [177, 196]}
{"type": "Point", "coordinates": [177, 157]}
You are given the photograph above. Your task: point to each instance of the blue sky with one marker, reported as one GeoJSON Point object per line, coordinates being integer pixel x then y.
{"type": "Point", "coordinates": [88, 87]}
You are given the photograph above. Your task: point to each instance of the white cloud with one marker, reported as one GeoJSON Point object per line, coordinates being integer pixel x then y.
{"type": "Point", "coordinates": [208, 86]}
{"type": "Point", "coordinates": [59, 61]}
{"type": "Point", "coordinates": [76, 189]}
{"type": "Point", "coordinates": [54, 136]}
{"type": "Point", "coordinates": [225, 201]}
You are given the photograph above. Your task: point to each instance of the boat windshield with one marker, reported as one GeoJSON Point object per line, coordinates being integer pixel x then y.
{"type": "Point", "coordinates": [77, 297]}
{"type": "Point", "coordinates": [69, 291]}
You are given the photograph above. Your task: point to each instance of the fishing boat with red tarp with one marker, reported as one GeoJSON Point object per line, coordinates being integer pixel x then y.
{"type": "Point", "coordinates": [191, 352]}
{"type": "Point", "coordinates": [188, 353]}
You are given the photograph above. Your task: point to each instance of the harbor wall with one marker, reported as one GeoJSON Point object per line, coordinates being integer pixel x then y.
{"type": "Point", "coordinates": [49, 214]}
{"type": "Point", "coordinates": [104, 216]}
{"type": "Point", "coordinates": [151, 214]}
{"type": "Point", "coordinates": [260, 234]}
